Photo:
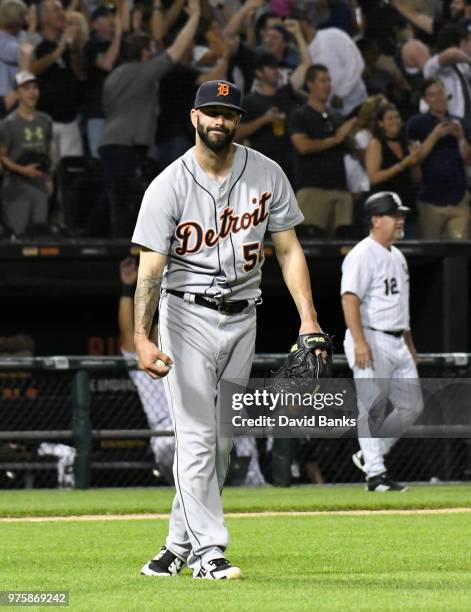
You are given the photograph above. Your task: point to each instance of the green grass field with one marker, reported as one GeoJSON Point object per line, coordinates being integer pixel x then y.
{"type": "Point", "coordinates": [329, 562]}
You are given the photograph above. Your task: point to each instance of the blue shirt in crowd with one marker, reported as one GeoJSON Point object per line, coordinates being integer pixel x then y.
{"type": "Point", "coordinates": [9, 60]}
{"type": "Point", "coordinates": [443, 171]}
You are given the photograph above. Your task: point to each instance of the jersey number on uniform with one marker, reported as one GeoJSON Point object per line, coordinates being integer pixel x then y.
{"type": "Point", "coordinates": [253, 253]}
{"type": "Point", "coordinates": [390, 286]}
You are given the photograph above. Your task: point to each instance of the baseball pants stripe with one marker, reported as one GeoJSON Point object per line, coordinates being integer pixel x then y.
{"type": "Point", "coordinates": [206, 347]}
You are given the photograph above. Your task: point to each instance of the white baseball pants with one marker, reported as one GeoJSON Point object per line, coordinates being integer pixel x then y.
{"type": "Point", "coordinates": [393, 376]}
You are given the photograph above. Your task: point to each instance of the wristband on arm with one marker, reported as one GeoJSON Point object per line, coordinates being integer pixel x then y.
{"type": "Point", "coordinates": [128, 290]}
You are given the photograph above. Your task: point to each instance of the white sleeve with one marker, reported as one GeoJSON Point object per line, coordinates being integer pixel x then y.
{"type": "Point", "coordinates": [363, 139]}
{"type": "Point", "coordinates": [432, 67]}
{"type": "Point", "coordinates": [199, 52]}
{"type": "Point", "coordinates": [345, 63]}
{"type": "Point", "coordinates": [356, 275]}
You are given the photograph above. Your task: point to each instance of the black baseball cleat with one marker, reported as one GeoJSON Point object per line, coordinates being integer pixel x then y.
{"type": "Point", "coordinates": [165, 563]}
{"type": "Point", "coordinates": [358, 460]}
{"type": "Point", "coordinates": [219, 569]}
{"type": "Point", "coordinates": [382, 483]}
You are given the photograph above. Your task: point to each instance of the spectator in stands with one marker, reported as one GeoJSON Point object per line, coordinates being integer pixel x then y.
{"type": "Point", "coordinates": [152, 394]}
{"type": "Point", "coordinates": [269, 107]}
{"type": "Point", "coordinates": [414, 56]}
{"type": "Point", "coordinates": [443, 200]}
{"type": "Point", "coordinates": [385, 24]}
{"type": "Point", "coordinates": [15, 48]}
{"type": "Point", "coordinates": [412, 59]}
{"type": "Point", "coordinates": [172, 12]}
{"type": "Point", "coordinates": [59, 64]}
{"type": "Point", "coordinates": [102, 53]}
{"type": "Point", "coordinates": [79, 26]}
{"type": "Point", "coordinates": [377, 79]}
{"type": "Point", "coordinates": [432, 22]}
{"type": "Point", "coordinates": [451, 64]}
{"type": "Point", "coordinates": [362, 132]}
{"type": "Point", "coordinates": [242, 18]}
{"type": "Point", "coordinates": [130, 100]}
{"type": "Point", "coordinates": [240, 35]}
{"type": "Point", "coordinates": [210, 45]}
{"type": "Point", "coordinates": [12, 19]}
{"type": "Point", "coordinates": [277, 41]}
{"type": "Point", "coordinates": [318, 138]}
{"type": "Point", "coordinates": [341, 16]}
{"type": "Point", "coordinates": [383, 74]}
{"type": "Point", "coordinates": [167, 17]}
{"type": "Point", "coordinates": [263, 22]}
{"type": "Point", "coordinates": [214, 40]}
{"type": "Point", "coordinates": [337, 51]}
{"type": "Point", "coordinates": [358, 182]}
{"type": "Point", "coordinates": [391, 164]}
{"type": "Point", "coordinates": [25, 148]}
{"type": "Point", "coordinates": [466, 11]}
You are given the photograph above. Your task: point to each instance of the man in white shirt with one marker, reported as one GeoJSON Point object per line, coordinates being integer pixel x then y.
{"type": "Point", "coordinates": [452, 65]}
{"type": "Point", "coordinates": [378, 342]}
{"type": "Point", "coordinates": [336, 50]}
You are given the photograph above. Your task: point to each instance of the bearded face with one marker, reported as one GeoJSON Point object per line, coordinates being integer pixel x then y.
{"type": "Point", "coordinates": [216, 138]}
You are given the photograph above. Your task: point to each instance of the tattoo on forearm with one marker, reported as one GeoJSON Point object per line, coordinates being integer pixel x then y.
{"type": "Point", "coordinates": [145, 303]}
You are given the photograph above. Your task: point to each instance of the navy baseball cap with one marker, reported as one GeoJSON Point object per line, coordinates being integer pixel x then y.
{"type": "Point", "coordinates": [219, 93]}
{"type": "Point", "coordinates": [384, 203]}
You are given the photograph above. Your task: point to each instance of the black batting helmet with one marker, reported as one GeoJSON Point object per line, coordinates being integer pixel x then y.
{"type": "Point", "coordinates": [384, 203]}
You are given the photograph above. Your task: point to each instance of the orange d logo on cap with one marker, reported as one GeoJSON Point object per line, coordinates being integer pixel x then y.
{"type": "Point", "coordinates": [219, 93]}
{"type": "Point", "coordinates": [223, 89]}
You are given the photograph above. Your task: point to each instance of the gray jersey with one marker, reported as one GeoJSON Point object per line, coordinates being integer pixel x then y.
{"type": "Point", "coordinates": [213, 233]}
{"type": "Point", "coordinates": [24, 140]}
{"type": "Point", "coordinates": [380, 278]}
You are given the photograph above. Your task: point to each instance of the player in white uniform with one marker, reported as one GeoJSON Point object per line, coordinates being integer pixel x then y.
{"type": "Point", "coordinates": [378, 342]}
{"type": "Point", "coordinates": [202, 224]}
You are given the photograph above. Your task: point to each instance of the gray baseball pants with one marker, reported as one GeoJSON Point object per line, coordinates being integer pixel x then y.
{"type": "Point", "coordinates": [206, 346]}
{"type": "Point", "coordinates": [22, 204]}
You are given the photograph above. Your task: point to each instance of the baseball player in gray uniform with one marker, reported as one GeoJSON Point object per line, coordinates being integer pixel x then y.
{"type": "Point", "coordinates": [201, 227]}
{"type": "Point", "coordinates": [152, 393]}
{"type": "Point", "coordinates": [378, 341]}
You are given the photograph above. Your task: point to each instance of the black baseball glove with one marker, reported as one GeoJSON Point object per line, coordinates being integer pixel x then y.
{"type": "Point", "coordinates": [302, 361]}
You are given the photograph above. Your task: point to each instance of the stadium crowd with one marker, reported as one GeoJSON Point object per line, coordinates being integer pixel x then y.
{"type": "Point", "coordinates": [350, 97]}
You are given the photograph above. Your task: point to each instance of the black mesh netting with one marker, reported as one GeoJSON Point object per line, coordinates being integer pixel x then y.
{"type": "Point", "coordinates": [40, 401]}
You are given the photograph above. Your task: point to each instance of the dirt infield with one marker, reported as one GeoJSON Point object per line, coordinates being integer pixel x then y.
{"type": "Point", "coordinates": [163, 517]}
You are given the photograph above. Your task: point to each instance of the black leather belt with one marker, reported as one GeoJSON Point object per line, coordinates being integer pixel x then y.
{"type": "Point", "coordinates": [396, 334]}
{"type": "Point", "coordinates": [228, 308]}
